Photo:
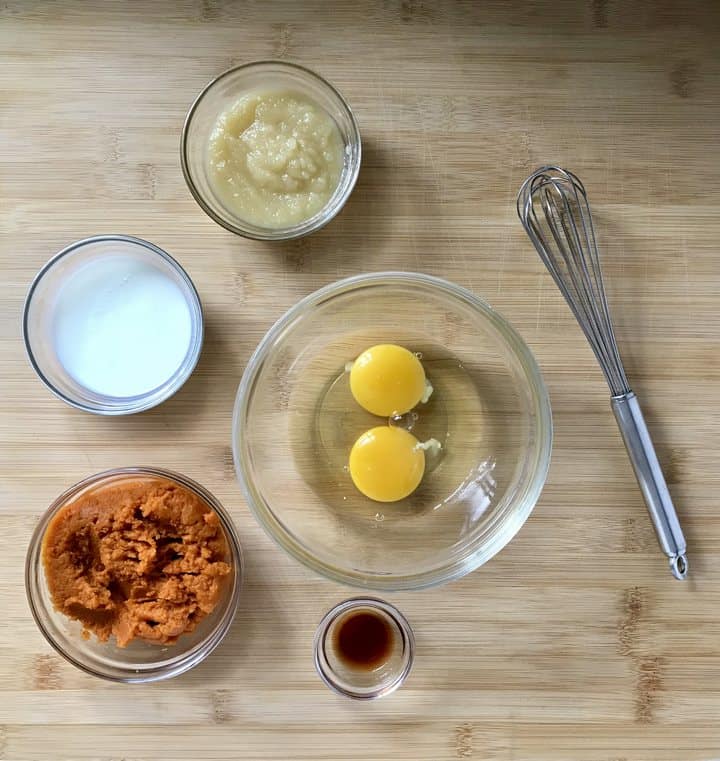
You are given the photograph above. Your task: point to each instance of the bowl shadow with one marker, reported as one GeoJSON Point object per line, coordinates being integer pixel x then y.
{"type": "Point", "coordinates": [361, 236]}
{"type": "Point", "coordinates": [259, 612]}
{"type": "Point", "coordinates": [184, 411]}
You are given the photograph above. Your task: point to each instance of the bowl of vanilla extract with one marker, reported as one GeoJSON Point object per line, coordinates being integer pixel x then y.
{"type": "Point", "coordinates": [364, 648]}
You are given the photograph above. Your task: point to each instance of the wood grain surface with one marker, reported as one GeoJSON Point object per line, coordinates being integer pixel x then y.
{"type": "Point", "coordinates": [573, 644]}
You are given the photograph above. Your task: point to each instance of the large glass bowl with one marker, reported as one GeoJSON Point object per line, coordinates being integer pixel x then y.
{"type": "Point", "coordinates": [295, 421]}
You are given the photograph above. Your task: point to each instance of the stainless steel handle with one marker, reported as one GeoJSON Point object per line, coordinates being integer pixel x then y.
{"type": "Point", "coordinates": [650, 477]}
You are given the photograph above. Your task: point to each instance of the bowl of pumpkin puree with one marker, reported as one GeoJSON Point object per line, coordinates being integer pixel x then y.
{"type": "Point", "coordinates": [134, 574]}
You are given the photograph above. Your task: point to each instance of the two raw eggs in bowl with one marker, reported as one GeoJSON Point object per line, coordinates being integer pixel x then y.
{"type": "Point", "coordinates": [387, 462]}
{"type": "Point", "coordinates": [321, 455]}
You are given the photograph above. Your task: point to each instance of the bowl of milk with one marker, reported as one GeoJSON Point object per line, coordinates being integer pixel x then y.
{"type": "Point", "coordinates": [113, 325]}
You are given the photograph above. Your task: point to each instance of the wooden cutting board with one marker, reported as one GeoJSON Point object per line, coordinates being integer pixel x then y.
{"type": "Point", "coordinates": [573, 644]}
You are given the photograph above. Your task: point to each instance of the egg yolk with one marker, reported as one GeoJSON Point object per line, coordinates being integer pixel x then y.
{"type": "Point", "coordinates": [387, 463]}
{"type": "Point", "coordinates": [387, 380]}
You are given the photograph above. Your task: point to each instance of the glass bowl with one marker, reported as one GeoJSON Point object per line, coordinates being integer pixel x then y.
{"type": "Point", "coordinates": [381, 678]}
{"type": "Point", "coordinates": [39, 320]}
{"type": "Point", "coordinates": [225, 90]}
{"type": "Point", "coordinates": [140, 661]}
{"type": "Point", "coordinates": [295, 421]}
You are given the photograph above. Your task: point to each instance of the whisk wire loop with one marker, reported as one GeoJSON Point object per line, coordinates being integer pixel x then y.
{"type": "Point", "coordinates": [554, 210]}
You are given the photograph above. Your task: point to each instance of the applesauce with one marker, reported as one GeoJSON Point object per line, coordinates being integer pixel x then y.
{"type": "Point", "coordinates": [275, 158]}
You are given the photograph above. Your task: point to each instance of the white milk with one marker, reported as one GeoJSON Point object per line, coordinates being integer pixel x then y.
{"type": "Point", "coordinates": [121, 327]}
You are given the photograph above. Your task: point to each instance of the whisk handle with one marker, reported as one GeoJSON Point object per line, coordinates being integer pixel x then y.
{"type": "Point", "coordinates": [650, 477]}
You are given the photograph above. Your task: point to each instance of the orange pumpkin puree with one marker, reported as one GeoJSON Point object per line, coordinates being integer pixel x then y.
{"type": "Point", "coordinates": [144, 558]}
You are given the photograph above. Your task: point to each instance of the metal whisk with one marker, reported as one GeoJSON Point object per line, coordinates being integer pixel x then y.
{"type": "Point", "coordinates": [554, 210]}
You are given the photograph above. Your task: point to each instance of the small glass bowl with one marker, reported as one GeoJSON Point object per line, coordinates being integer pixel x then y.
{"type": "Point", "coordinates": [295, 422]}
{"type": "Point", "coordinates": [38, 318]}
{"type": "Point", "coordinates": [353, 682]}
{"type": "Point", "coordinates": [139, 661]}
{"type": "Point", "coordinates": [222, 92]}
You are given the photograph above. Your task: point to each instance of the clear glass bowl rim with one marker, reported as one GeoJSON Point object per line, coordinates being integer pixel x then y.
{"type": "Point", "coordinates": [134, 404]}
{"type": "Point", "coordinates": [180, 664]}
{"type": "Point", "coordinates": [503, 531]}
{"type": "Point", "coordinates": [308, 226]}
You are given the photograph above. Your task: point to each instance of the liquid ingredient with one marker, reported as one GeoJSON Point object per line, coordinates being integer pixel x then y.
{"type": "Point", "coordinates": [363, 640]}
{"type": "Point", "coordinates": [144, 559]}
{"type": "Point", "coordinates": [387, 463]}
{"type": "Point", "coordinates": [121, 326]}
{"type": "Point", "coordinates": [275, 158]}
{"type": "Point", "coordinates": [388, 380]}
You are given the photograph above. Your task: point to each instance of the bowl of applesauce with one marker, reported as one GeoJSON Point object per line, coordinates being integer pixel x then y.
{"type": "Point", "coordinates": [270, 150]}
